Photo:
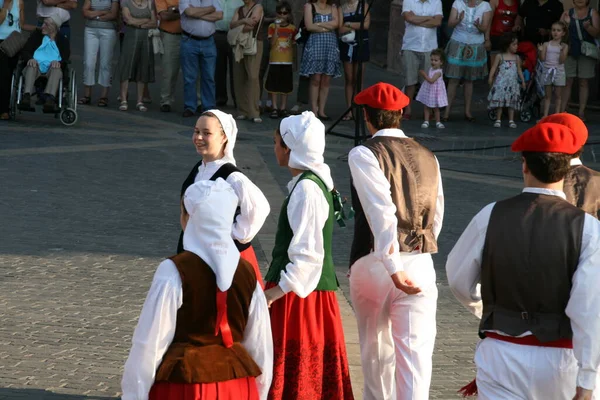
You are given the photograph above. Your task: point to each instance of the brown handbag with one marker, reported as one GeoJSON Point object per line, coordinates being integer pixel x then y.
{"type": "Point", "coordinates": [14, 43]}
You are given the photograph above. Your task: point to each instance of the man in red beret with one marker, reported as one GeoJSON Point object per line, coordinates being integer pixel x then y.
{"type": "Point", "coordinates": [399, 202]}
{"type": "Point", "coordinates": [582, 184]}
{"type": "Point", "coordinates": [528, 267]}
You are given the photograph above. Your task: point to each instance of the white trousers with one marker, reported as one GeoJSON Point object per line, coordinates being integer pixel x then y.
{"type": "Point", "coordinates": [103, 40]}
{"type": "Point", "coordinates": [509, 371]}
{"type": "Point", "coordinates": [396, 331]}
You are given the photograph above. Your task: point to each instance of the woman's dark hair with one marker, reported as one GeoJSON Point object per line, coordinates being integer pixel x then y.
{"type": "Point", "coordinates": [506, 40]}
{"type": "Point", "coordinates": [440, 53]}
{"type": "Point", "coordinates": [278, 133]}
{"type": "Point", "coordinates": [383, 119]}
{"type": "Point", "coordinates": [548, 167]}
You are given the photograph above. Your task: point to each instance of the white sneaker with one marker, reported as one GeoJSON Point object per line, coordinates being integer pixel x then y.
{"type": "Point", "coordinates": [497, 124]}
{"type": "Point", "coordinates": [439, 125]}
{"type": "Point", "coordinates": [241, 117]}
{"type": "Point", "coordinates": [257, 120]}
{"type": "Point", "coordinates": [425, 124]}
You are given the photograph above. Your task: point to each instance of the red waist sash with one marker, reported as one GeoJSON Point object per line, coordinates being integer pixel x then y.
{"type": "Point", "coordinates": [531, 340]}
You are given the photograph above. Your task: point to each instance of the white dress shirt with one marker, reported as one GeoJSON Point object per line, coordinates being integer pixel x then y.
{"type": "Point", "coordinates": [374, 193]}
{"type": "Point", "coordinates": [419, 38]}
{"type": "Point", "coordinates": [307, 213]}
{"type": "Point", "coordinates": [156, 329]}
{"type": "Point", "coordinates": [254, 207]}
{"type": "Point", "coordinates": [463, 269]}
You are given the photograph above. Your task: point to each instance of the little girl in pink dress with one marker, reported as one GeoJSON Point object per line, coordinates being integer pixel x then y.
{"type": "Point", "coordinates": [433, 89]}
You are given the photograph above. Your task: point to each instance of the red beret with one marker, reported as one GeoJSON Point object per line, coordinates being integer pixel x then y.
{"type": "Point", "coordinates": [383, 96]}
{"type": "Point", "coordinates": [547, 138]}
{"type": "Point", "coordinates": [572, 122]}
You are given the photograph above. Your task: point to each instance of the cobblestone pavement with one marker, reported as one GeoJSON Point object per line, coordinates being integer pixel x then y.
{"type": "Point", "coordinates": [88, 212]}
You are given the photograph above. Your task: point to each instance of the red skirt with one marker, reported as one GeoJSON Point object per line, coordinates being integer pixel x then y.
{"type": "Point", "coordinates": [310, 361]}
{"type": "Point", "coordinates": [250, 256]}
{"type": "Point", "coordinates": [235, 389]}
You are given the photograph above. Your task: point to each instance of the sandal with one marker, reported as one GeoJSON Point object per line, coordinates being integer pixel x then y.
{"type": "Point", "coordinates": [103, 102]}
{"type": "Point", "coordinates": [348, 117]}
{"type": "Point", "coordinates": [141, 107]}
{"type": "Point", "coordinates": [124, 106]}
{"type": "Point", "coordinates": [497, 124]}
{"type": "Point", "coordinates": [512, 124]}
{"type": "Point", "coordinates": [85, 100]}
{"type": "Point", "coordinates": [274, 114]}
{"type": "Point", "coordinates": [425, 124]}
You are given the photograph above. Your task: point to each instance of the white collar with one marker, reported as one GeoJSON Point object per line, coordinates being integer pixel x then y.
{"type": "Point", "coordinates": [576, 161]}
{"type": "Point", "coordinates": [549, 192]}
{"type": "Point", "coordinates": [392, 132]}
{"type": "Point", "coordinates": [216, 163]}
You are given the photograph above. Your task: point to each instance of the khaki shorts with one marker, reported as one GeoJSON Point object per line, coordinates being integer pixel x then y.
{"type": "Point", "coordinates": [580, 67]}
{"type": "Point", "coordinates": [412, 62]}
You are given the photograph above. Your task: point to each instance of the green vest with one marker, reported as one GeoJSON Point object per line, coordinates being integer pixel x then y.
{"type": "Point", "coordinates": [285, 234]}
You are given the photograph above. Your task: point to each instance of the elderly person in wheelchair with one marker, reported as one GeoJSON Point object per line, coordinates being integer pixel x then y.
{"type": "Point", "coordinates": [45, 52]}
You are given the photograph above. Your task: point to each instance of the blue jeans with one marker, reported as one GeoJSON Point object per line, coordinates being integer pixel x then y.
{"type": "Point", "coordinates": [198, 55]}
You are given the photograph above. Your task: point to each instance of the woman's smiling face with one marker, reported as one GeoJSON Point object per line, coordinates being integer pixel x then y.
{"type": "Point", "coordinates": [209, 138]}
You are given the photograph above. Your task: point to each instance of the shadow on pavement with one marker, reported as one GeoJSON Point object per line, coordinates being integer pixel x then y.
{"type": "Point", "coordinates": [41, 394]}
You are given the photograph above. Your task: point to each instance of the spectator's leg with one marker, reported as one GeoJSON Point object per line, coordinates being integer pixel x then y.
{"type": "Point", "coordinates": [583, 96]}
{"type": "Point", "coordinates": [54, 76]}
{"type": "Point", "coordinates": [547, 99]}
{"type": "Point", "coordinates": [265, 51]}
{"type": "Point", "coordinates": [108, 39]}
{"type": "Point", "coordinates": [189, 66]}
{"type": "Point", "coordinates": [452, 85]}
{"type": "Point", "coordinates": [170, 67]}
{"type": "Point", "coordinates": [349, 78]}
{"type": "Point", "coordinates": [410, 68]}
{"type": "Point", "coordinates": [231, 61]}
{"type": "Point", "coordinates": [468, 84]}
{"type": "Point", "coordinates": [29, 76]}
{"type": "Point", "coordinates": [254, 82]}
{"type": "Point", "coordinates": [223, 48]}
{"type": "Point", "coordinates": [124, 88]}
{"type": "Point", "coordinates": [91, 45]}
{"type": "Point", "coordinates": [315, 84]}
{"type": "Point", "coordinates": [239, 85]}
{"type": "Point", "coordinates": [208, 62]}
{"type": "Point", "coordinates": [566, 95]}
{"type": "Point", "coordinates": [324, 94]}
{"type": "Point", "coordinates": [558, 99]}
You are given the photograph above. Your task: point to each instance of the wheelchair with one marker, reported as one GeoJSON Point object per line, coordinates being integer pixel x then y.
{"type": "Point", "coordinates": [66, 104]}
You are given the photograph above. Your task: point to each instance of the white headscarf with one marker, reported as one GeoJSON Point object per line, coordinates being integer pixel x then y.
{"type": "Point", "coordinates": [230, 128]}
{"type": "Point", "coordinates": [211, 206]}
{"type": "Point", "coordinates": [304, 134]}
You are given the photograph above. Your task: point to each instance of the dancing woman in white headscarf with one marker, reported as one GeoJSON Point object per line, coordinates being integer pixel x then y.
{"type": "Point", "coordinates": [214, 138]}
{"type": "Point", "coordinates": [204, 331]}
{"type": "Point", "coordinates": [308, 338]}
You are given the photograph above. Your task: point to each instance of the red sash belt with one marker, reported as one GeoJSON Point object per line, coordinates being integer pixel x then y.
{"type": "Point", "coordinates": [222, 324]}
{"type": "Point", "coordinates": [531, 340]}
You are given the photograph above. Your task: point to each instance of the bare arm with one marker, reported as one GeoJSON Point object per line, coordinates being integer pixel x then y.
{"type": "Point", "coordinates": [213, 17]}
{"type": "Point", "coordinates": [348, 26]}
{"type": "Point", "coordinates": [198, 12]}
{"type": "Point", "coordinates": [594, 27]}
{"type": "Point", "coordinates": [167, 13]}
{"type": "Point", "coordinates": [333, 24]}
{"type": "Point", "coordinates": [564, 51]}
{"type": "Point", "coordinates": [129, 20]}
{"type": "Point", "coordinates": [543, 51]}
{"type": "Point", "coordinates": [112, 14]}
{"type": "Point", "coordinates": [308, 20]}
{"type": "Point", "coordinates": [237, 21]}
{"type": "Point", "coordinates": [434, 78]}
{"type": "Point", "coordinates": [68, 5]}
{"type": "Point", "coordinates": [455, 18]}
{"type": "Point", "coordinates": [409, 16]}
{"type": "Point", "coordinates": [433, 22]}
{"type": "Point", "coordinates": [493, 70]}
{"type": "Point", "coordinates": [88, 13]}
{"type": "Point", "coordinates": [493, 5]}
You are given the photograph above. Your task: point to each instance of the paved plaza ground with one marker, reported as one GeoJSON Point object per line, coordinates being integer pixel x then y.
{"type": "Point", "coordinates": [88, 212]}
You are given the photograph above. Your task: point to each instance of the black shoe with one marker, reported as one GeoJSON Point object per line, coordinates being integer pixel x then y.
{"type": "Point", "coordinates": [165, 108]}
{"type": "Point", "coordinates": [199, 109]}
{"type": "Point", "coordinates": [25, 103]}
{"type": "Point", "coordinates": [187, 113]}
{"type": "Point", "coordinates": [49, 105]}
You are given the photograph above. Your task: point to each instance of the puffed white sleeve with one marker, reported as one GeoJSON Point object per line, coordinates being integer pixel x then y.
{"type": "Point", "coordinates": [583, 308]}
{"type": "Point", "coordinates": [438, 218]}
{"type": "Point", "coordinates": [307, 212]}
{"type": "Point", "coordinates": [254, 208]}
{"type": "Point", "coordinates": [258, 340]}
{"type": "Point", "coordinates": [374, 193]}
{"type": "Point", "coordinates": [463, 267]}
{"type": "Point", "coordinates": [154, 332]}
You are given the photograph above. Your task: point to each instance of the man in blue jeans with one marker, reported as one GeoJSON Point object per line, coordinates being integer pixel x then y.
{"type": "Point", "coordinates": [198, 51]}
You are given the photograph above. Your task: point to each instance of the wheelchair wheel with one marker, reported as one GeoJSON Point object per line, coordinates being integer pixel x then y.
{"type": "Point", "coordinates": [492, 115]}
{"type": "Point", "coordinates": [73, 93]}
{"type": "Point", "coordinates": [68, 116]}
{"type": "Point", "coordinates": [14, 93]}
{"type": "Point", "coordinates": [526, 115]}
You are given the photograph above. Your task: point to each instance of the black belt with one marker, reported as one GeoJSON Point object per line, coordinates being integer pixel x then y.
{"type": "Point", "coordinates": [196, 37]}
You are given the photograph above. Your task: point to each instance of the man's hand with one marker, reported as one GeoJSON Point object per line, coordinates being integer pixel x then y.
{"type": "Point", "coordinates": [32, 63]}
{"type": "Point", "coordinates": [55, 64]}
{"type": "Point", "coordinates": [583, 394]}
{"type": "Point", "coordinates": [273, 294]}
{"type": "Point", "coordinates": [403, 283]}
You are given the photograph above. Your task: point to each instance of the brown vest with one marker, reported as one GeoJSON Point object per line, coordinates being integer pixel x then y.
{"type": "Point", "coordinates": [196, 355]}
{"type": "Point", "coordinates": [582, 187]}
{"type": "Point", "coordinates": [530, 254]}
{"type": "Point", "coordinates": [412, 172]}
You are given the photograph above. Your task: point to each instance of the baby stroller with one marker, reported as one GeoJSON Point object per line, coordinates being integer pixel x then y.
{"type": "Point", "coordinates": [529, 104]}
